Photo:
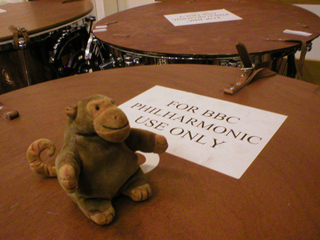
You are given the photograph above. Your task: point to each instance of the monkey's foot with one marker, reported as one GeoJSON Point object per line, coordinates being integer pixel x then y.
{"type": "Point", "coordinates": [68, 179]}
{"type": "Point", "coordinates": [104, 218]}
{"type": "Point", "coordinates": [141, 193]}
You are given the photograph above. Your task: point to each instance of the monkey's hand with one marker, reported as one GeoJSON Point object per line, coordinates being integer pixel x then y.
{"type": "Point", "coordinates": [161, 144]}
{"type": "Point", "coordinates": [68, 178]}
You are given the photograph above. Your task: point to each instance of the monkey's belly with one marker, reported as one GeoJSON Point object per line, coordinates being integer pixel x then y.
{"type": "Point", "coordinates": [104, 174]}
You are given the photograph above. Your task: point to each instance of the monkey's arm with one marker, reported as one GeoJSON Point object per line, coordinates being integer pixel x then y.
{"type": "Point", "coordinates": [146, 141]}
{"type": "Point", "coordinates": [68, 170]}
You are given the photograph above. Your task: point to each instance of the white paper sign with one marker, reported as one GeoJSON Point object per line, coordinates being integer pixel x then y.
{"type": "Point", "coordinates": [220, 135]}
{"type": "Point", "coordinates": [192, 18]}
{"type": "Point", "coordinates": [301, 33]}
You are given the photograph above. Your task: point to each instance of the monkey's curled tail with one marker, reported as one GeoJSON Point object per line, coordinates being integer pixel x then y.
{"type": "Point", "coordinates": [36, 163]}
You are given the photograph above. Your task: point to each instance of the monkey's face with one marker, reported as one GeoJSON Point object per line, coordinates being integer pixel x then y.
{"type": "Point", "coordinates": [109, 121]}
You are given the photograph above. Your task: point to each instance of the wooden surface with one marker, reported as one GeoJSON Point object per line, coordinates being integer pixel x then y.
{"type": "Point", "coordinates": [151, 33]}
{"type": "Point", "coordinates": [38, 16]}
{"type": "Point", "coordinates": [277, 197]}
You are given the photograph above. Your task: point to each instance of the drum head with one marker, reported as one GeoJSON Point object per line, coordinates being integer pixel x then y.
{"type": "Point", "coordinates": [146, 30]}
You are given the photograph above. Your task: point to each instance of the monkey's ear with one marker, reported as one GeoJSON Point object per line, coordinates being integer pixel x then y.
{"type": "Point", "coordinates": [71, 111]}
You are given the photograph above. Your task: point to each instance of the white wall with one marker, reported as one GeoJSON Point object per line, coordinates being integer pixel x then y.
{"type": "Point", "coordinates": [315, 52]}
{"type": "Point", "coordinates": [105, 8]}
{"type": "Point", "coordinates": [126, 4]}
{"type": "Point", "coordinates": [111, 7]}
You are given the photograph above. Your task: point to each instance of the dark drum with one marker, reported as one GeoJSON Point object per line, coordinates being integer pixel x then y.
{"type": "Point", "coordinates": [34, 47]}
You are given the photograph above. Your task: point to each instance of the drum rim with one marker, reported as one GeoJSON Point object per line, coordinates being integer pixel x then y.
{"type": "Point", "coordinates": [8, 44]}
{"type": "Point", "coordinates": [173, 56]}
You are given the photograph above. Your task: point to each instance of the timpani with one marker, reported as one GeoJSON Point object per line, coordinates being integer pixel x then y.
{"type": "Point", "coordinates": [142, 35]}
{"type": "Point", "coordinates": [277, 197]}
{"type": "Point", "coordinates": [48, 24]}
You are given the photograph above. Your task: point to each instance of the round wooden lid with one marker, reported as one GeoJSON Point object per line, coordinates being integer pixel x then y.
{"type": "Point", "coordinates": [146, 30]}
{"type": "Point", "coordinates": [38, 16]}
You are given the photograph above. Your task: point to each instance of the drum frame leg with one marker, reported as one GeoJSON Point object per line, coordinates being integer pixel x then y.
{"type": "Point", "coordinates": [291, 66]}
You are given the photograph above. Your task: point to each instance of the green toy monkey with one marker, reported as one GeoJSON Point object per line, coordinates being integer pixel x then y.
{"type": "Point", "coordinates": [98, 160]}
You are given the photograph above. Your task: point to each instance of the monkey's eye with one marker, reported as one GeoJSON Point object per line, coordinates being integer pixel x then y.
{"type": "Point", "coordinates": [112, 101]}
{"type": "Point", "coordinates": [97, 108]}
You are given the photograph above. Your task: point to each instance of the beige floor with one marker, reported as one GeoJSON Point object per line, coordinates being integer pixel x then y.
{"type": "Point", "coordinates": [311, 71]}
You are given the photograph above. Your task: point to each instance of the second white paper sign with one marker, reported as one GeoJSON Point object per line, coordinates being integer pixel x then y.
{"type": "Point", "coordinates": [191, 18]}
